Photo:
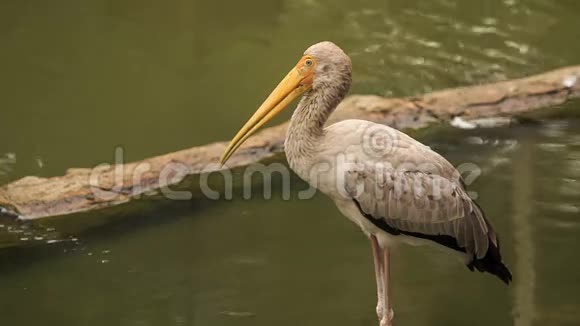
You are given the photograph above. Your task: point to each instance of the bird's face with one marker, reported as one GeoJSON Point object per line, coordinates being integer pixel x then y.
{"type": "Point", "coordinates": [314, 68]}
{"type": "Point", "coordinates": [332, 66]}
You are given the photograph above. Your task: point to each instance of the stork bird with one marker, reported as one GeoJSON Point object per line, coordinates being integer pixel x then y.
{"type": "Point", "coordinates": [392, 186]}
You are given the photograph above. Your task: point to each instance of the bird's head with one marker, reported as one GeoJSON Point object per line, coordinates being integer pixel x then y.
{"type": "Point", "coordinates": [323, 65]}
{"type": "Point", "coordinates": [332, 66]}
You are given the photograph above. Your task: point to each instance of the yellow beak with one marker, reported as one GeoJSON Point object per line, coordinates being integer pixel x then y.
{"type": "Point", "coordinates": [296, 82]}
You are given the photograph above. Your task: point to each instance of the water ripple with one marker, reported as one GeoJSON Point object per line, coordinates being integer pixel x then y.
{"type": "Point", "coordinates": [7, 162]}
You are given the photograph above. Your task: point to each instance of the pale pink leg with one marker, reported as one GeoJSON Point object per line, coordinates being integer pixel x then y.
{"type": "Point", "coordinates": [387, 310]}
{"type": "Point", "coordinates": [379, 274]}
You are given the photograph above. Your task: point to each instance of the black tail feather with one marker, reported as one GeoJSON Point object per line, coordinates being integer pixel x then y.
{"type": "Point", "coordinates": [492, 264]}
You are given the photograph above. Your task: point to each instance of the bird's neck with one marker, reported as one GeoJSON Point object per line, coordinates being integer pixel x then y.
{"type": "Point", "coordinates": [306, 129]}
{"type": "Point", "coordinates": [307, 123]}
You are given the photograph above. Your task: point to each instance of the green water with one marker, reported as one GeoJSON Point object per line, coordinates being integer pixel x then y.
{"type": "Point", "coordinates": [78, 78]}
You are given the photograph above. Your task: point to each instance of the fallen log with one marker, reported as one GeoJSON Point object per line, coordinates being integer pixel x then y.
{"type": "Point", "coordinates": [81, 190]}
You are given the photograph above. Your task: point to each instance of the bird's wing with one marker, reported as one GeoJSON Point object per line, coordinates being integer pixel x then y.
{"type": "Point", "coordinates": [420, 204]}
{"type": "Point", "coordinates": [403, 187]}
{"type": "Point", "coordinates": [407, 200]}
{"type": "Point", "coordinates": [410, 189]}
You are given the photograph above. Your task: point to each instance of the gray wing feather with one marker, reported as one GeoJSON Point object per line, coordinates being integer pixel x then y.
{"type": "Point", "coordinates": [413, 200]}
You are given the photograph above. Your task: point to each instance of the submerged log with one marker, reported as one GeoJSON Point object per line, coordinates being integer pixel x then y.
{"type": "Point", "coordinates": [81, 190]}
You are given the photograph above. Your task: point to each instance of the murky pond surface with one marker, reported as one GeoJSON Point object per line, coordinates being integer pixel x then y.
{"type": "Point", "coordinates": [80, 78]}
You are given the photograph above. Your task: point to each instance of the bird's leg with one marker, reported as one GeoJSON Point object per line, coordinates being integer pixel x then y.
{"type": "Point", "coordinates": [387, 310]}
{"type": "Point", "coordinates": [377, 259]}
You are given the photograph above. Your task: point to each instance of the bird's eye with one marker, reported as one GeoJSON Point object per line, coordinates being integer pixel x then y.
{"type": "Point", "coordinates": [308, 62]}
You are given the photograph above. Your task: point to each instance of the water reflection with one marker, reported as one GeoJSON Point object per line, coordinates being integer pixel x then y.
{"type": "Point", "coordinates": [524, 308]}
